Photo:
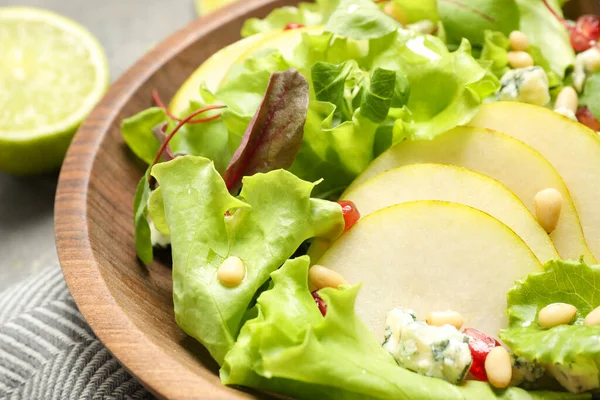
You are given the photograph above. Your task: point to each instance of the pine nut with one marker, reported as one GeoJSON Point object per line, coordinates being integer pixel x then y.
{"type": "Point", "coordinates": [320, 277]}
{"type": "Point", "coordinates": [556, 314]}
{"type": "Point", "coordinates": [593, 318]}
{"type": "Point", "coordinates": [548, 203]}
{"type": "Point", "coordinates": [518, 41]}
{"type": "Point", "coordinates": [231, 272]}
{"type": "Point", "coordinates": [441, 318]}
{"type": "Point", "coordinates": [567, 98]}
{"type": "Point", "coordinates": [498, 367]}
{"type": "Point", "coordinates": [519, 59]}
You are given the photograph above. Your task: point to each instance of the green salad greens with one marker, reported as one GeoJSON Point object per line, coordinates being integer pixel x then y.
{"type": "Point", "coordinates": [371, 85]}
{"type": "Point", "coordinates": [574, 347]}
{"type": "Point", "coordinates": [250, 171]}
{"type": "Point", "coordinates": [290, 348]}
{"type": "Point", "coordinates": [267, 222]}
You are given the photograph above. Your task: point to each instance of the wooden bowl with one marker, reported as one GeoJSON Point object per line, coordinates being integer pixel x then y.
{"type": "Point", "coordinates": [128, 305]}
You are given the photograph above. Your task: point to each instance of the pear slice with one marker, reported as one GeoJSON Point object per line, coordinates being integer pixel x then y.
{"type": "Point", "coordinates": [432, 256]}
{"type": "Point", "coordinates": [458, 185]}
{"type": "Point", "coordinates": [517, 166]}
{"type": "Point", "coordinates": [569, 146]}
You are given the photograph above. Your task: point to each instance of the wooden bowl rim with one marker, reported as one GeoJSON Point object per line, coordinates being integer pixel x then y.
{"type": "Point", "coordinates": [71, 225]}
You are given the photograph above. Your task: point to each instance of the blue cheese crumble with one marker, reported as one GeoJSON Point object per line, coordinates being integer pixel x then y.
{"type": "Point", "coordinates": [578, 376]}
{"type": "Point", "coordinates": [526, 85]}
{"type": "Point", "coordinates": [439, 352]}
{"type": "Point", "coordinates": [524, 372]}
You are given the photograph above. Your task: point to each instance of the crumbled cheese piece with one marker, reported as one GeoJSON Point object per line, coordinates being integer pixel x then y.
{"type": "Point", "coordinates": [586, 63]}
{"type": "Point", "coordinates": [578, 376]}
{"type": "Point", "coordinates": [525, 372]}
{"type": "Point", "coordinates": [439, 352]}
{"type": "Point", "coordinates": [157, 238]}
{"type": "Point", "coordinates": [566, 112]}
{"type": "Point", "coordinates": [527, 85]}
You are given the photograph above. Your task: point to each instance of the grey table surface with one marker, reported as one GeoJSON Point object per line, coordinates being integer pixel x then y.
{"type": "Point", "coordinates": [127, 29]}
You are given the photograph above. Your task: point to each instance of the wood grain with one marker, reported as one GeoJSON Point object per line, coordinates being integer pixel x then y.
{"type": "Point", "coordinates": [128, 305]}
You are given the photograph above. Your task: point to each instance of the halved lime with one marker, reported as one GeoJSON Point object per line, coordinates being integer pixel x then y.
{"type": "Point", "coordinates": [53, 72]}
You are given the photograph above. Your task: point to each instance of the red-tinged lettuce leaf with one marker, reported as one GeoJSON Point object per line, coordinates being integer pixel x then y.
{"type": "Point", "coordinates": [274, 136]}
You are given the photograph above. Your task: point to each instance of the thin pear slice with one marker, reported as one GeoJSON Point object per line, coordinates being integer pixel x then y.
{"type": "Point", "coordinates": [457, 185]}
{"type": "Point", "coordinates": [517, 166]}
{"type": "Point", "coordinates": [570, 147]}
{"type": "Point", "coordinates": [432, 256]}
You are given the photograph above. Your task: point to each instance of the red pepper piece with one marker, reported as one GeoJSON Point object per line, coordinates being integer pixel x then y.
{"type": "Point", "coordinates": [350, 213]}
{"type": "Point", "coordinates": [480, 345]}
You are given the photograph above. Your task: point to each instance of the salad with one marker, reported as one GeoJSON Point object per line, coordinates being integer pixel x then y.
{"type": "Point", "coordinates": [386, 200]}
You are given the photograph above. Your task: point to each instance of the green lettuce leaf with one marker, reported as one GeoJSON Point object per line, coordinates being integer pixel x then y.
{"type": "Point", "coordinates": [360, 20]}
{"type": "Point", "coordinates": [547, 34]}
{"type": "Point", "coordinates": [336, 154]}
{"type": "Point", "coordinates": [329, 83]}
{"type": "Point", "coordinates": [289, 348]}
{"type": "Point", "coordinates": [445, 92]}
{"type": "Point", "coordinates": [591, 94]}
{"type": "Point", "coordinates": [434, 90]}
{"type": "Point", "coordinates": [307, 14]}
{"type": "Point", "coordinates": [495, 49]}
{"type": "Point", "coordinates": [143, 240]}
{"type": "Point", "coordinates": [576, 344]}
{"type": "Point", "coordinates": [137, 132]}
{"type": "Point", "coordinates": [209, 139]}
{"type": "Point", "coordinates": [156, 211]}
{"type": "Point", "coordinates": [270, 218]}
{"type": "Point", "coordinates": [469, 20]}
{"type": "Point", "coordinates": [378, 95]}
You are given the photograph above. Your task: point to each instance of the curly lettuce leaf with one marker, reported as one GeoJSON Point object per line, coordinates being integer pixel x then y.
{"type": "Point", "coordinates": [360, 20]}
{"type": "Point", "coordinates": [307, 14]}
{"type": "Point", "coordinates": [445, 93]}
{"type": "Point", "coordinates": [378, 94]}
{"type": "Point", "coordinates": [434, 90]}
{"type": "Point", "coordinates": [336, 154]}
{"type": "Point", "coordinates": [270, 218]}
{"type": "Point", "coordinates": [547, 34]}
{"type": "Point", "coordinates": [565, 345]}
{"type": "Point", "coordinates": [289, 348]}
{"type": "Point", "coordinates": [329, 83]}
{"type": "Point", "coordinates": [495, 49]}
